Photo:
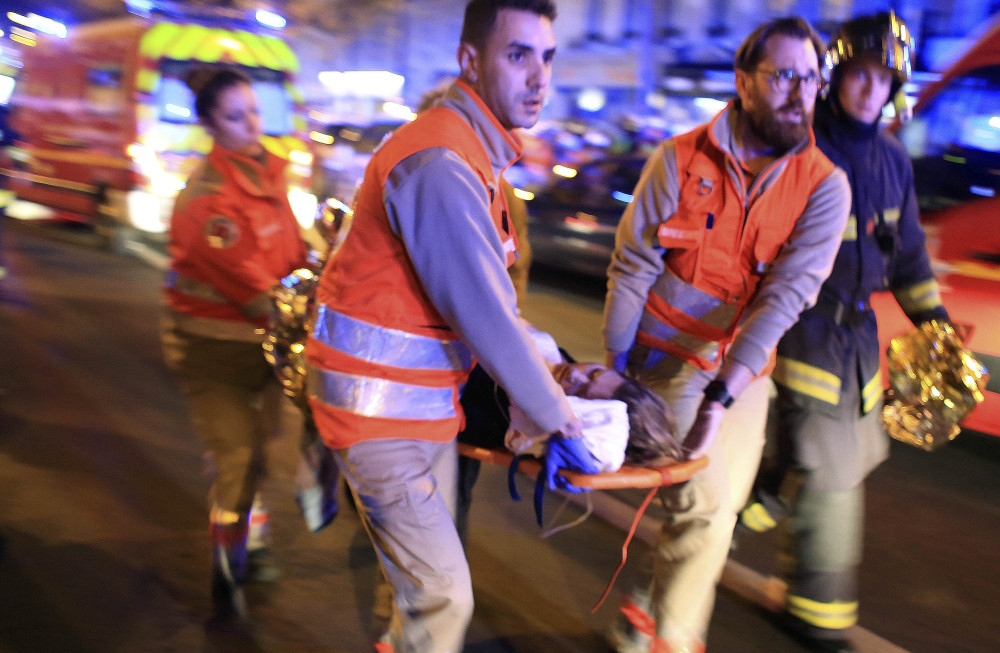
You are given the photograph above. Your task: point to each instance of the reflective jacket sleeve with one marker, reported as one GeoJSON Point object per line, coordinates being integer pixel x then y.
{"type": "Point", "coordinates": [638, 257]}
{"type": "Point", "coordinates": [440, 209]}
{"type": "Point", "coordinates": [793, 282]}
{"type": "Point", "coordinates": [911, 278]}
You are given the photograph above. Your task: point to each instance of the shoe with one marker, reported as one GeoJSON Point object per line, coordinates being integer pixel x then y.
{"type": "Point", "coordinates": [318, 507]}
{"type": "Point", "coordinates": [228, 601]}
{"type": "Point", "coordinates": [808, 636]}
{"type": "Point", "coordinates": [261, 567]}
{"type": "Point", "coordinates": [229, 572]}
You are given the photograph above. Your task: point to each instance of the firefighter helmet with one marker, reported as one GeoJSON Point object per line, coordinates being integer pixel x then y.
{"type": "Point", "coordinates": [882, 35]}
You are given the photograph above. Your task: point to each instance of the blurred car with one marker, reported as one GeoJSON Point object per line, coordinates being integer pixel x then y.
{"type": "Point", "coordinates": [342, 152]}
{"type": "Point", "coordinates": [572, 220]}
{"type": "Point", "coordinates": [954, 141]}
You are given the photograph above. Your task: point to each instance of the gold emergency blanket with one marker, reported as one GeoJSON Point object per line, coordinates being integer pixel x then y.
{"type": "Point", "coordinates": [291, 305]}
{"type": "Point", "coordinates": [934, 382]}
{"type": "Point", "coordinates": [287, 328]}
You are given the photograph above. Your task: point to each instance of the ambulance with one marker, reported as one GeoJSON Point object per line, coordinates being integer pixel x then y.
{"type": "Point", "coordinates": [107, 126]}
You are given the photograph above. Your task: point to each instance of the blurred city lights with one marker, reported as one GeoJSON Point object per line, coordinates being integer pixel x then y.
{"type": "Point", "coordinates": [362, 83]}
{"type": "Point", "coordinates": [525, 195]}
{"type": "Point", "coordinates": [563, 171]}
{"type": "Point", "coordinates": [320, 137]}
{"type": "Point", "coordinates": [39, 24]}
{"type": "Point", "coordinates": [17, 38]}
{"type": "Point", "coordinates": [300, 157]}
{"type": "Point", "coordinates": [141, 7]}
{"type": "Point", "coordinates": [710, 104]}
{"type": "Point", "coordinates": [183, 112]}
{"type": "Point", "coordinates": [592, 99]}
{"type": "Point", "coordinates": [230, 44]}
{"type": "Point", "coordinates": [6, 88]}
{"type": "Point", "coordinates": [622, 197]}
{"type": "Point", "coordinates": [270, 19]}
{"type": "Point", "coordinates": [397, 110]}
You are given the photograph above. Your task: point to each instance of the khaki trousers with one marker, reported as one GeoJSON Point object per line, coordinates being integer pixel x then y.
{"type": "Point", "coordinates": [695, 539]}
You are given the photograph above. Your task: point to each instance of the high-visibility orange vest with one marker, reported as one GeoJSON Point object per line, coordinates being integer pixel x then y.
{"type": "Point", "coordinates": [383, 363]}
{"type": "Point", "coordinates": [717, 249]}
{"type": "Point", "coordinates": [233, 235]}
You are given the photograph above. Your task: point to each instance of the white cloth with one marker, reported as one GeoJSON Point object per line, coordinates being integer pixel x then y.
{"type": "Point", "coordinates": [605, 431]}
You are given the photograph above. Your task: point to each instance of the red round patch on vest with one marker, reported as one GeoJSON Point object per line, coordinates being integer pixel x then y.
{"type": "Point", "coordinates": [221, 232]}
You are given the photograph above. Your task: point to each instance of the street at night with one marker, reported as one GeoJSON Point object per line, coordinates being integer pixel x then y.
{"type": "Point", "coordinates": [104, 538]}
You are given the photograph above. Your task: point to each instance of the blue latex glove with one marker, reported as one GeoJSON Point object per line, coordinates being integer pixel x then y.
{"type": "Point", "coordinates": [618, 361]}
{"type": "Point", "coordinates": [570, 454]}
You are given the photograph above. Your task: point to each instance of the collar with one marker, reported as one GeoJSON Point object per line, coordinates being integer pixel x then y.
{"type": "Point", "coordinates": [250, 175]}
{"type": "Point", "coordinates": [842, 126]}
{"type": "Point", "coordinates": [502, 145]}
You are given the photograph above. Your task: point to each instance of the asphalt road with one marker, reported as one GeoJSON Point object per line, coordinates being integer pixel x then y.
{"type": "Point", "coordinates": [103, 533]}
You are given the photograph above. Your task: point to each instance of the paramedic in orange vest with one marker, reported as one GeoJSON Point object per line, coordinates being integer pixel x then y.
{"type": "Point", "coordinates": [733, 229]}
{"type": "Point", "coordinates": [232, 237]}
{"type": "Point", "coordinates": [416, 293]}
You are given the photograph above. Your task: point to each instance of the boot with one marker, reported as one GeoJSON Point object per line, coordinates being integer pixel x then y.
{"type": "Point", "coordinates": [229, 570]}
{"type": "Point", "coordinates": [261, 567]}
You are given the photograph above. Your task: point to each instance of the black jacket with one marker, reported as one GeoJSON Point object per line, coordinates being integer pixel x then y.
{"type": "Point", "coordinates": [883, 248]}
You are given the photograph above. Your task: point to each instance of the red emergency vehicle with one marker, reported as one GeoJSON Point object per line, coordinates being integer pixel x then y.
{"type": "Point", "coordinates": [107, 126]}
{"type": "Point", "coordinates": [954, 141]}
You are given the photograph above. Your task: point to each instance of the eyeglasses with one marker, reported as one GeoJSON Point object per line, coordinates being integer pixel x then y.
{"type": "Point", "coordinates": [786, 79]}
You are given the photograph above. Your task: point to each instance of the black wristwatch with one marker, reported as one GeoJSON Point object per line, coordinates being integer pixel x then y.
{"type": "Point", "coordinates": [717, 391]}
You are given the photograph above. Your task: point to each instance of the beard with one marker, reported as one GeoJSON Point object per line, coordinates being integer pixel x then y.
{"type": "Point", "coordinates": [779, 134]}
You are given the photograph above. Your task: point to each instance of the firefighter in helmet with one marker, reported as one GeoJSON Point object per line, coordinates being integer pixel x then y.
{"type": "Point", "coordinates": [829, 404]}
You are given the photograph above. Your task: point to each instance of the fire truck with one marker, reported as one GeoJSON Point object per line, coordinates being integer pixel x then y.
{"type": "Point", "coordinates": [954, 142]}
{"type": "Point", "coordinates": [107, 126]}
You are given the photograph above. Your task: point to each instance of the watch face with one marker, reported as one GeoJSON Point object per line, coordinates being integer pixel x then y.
{"type": "Point", "coordinates": [717, 391]}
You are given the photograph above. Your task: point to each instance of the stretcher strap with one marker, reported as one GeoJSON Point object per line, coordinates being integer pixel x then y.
{"type": "Point", "coordinates": [515, 463]}
{"type": "Point", "coordinates": [631, 533]}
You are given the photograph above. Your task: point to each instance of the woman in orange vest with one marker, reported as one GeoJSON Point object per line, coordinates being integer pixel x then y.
{"type": "Point", "coordinates": [233, 236]}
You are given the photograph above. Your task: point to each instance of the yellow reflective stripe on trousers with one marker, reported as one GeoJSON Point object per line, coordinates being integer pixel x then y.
{"type": "Point", "coordinates": [871, 392]}
{"type": "Point", "coordinates": [834, 615]}
{"type": "Point", "coordinates": [923, 296]}
{"type": "Point", "coordinates": [384, 346]}
{"type": "Point", "coordinates": [757, 518]}
{"type": "Point", "coordinates": [807, 379]}
{"type": "Point", "coordinates": [374, 397]}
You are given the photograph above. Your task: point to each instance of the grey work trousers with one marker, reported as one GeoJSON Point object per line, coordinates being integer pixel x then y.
{"type": "Point", "coordinates": [405, 492]}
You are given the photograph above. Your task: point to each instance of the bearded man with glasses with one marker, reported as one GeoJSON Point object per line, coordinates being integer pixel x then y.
{"type": "Point", "coordinates": [732, 231]}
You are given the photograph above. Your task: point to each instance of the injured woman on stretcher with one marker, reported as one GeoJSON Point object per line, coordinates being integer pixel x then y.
{"type": "Point", "coordinates": [624, 422]}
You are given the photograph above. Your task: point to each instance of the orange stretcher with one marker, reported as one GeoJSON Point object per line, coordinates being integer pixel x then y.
{"type": "Point", "coordinates": [629, 476]}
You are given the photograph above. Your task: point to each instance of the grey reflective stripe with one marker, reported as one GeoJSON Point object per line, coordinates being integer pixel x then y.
{"type": "Point", "coordinates": [198, 289]}
{"type": "Point", "coordinates": [374, 397]}
{"type": "Point", "coordinates": [651, 325]}
{"type": "Point", "coordinates": [375, 344]}
{"type": "Point", "coordinates": [698, 304]}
